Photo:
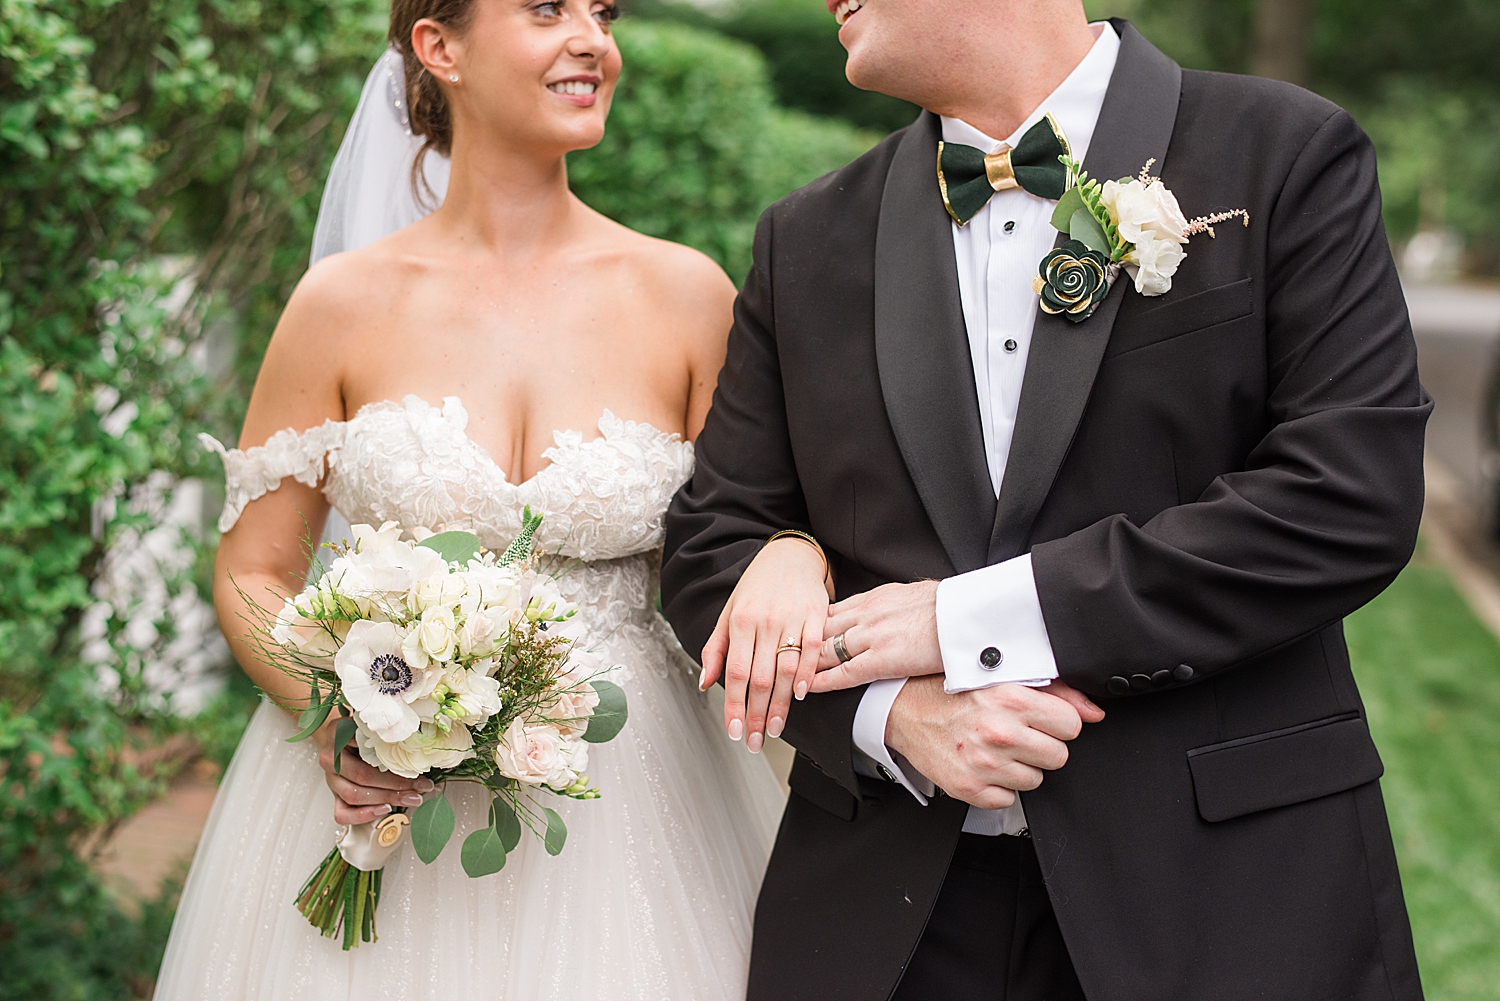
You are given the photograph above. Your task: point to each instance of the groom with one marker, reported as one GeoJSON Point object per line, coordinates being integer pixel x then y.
{"type": "Point", "coordinates": [1169, 506]}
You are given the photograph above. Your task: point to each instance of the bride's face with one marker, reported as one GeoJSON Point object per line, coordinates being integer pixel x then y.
{"type": "Point", "coordinates": [540, 72]}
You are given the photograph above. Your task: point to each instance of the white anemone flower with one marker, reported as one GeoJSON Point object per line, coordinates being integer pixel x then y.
{"type": "Point", "coordinates": [379, 682]}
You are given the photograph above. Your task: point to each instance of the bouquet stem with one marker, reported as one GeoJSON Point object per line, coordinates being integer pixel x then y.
{"type": "Point", "coordinates": [337, 895]}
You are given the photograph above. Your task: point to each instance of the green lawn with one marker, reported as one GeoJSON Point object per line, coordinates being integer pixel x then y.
{"type": "Point", "coordinates": [1430, 676]}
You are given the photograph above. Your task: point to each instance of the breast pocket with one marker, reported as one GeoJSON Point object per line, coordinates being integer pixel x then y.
{"type": "Point", "coordinates": [1158, 322]}
{"type": "Point", "coordinates": [1282, 767]}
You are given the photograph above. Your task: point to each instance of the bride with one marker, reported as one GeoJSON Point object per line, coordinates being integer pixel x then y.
{"type": "Point", "coordinates": [424, 379]}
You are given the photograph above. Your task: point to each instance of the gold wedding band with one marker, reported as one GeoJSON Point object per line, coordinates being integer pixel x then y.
{"type": "Point", "coordinates": [841, 649]}
{"type": "Point", "coordinates": [790, 643]}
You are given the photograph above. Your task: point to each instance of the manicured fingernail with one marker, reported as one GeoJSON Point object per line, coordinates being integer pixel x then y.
{"type": "Point", "coordinates": [800, 691]}
{"type": "Point", "coordinates": [773, 728]}
{"type": "Point", "coordinates": [411, 799]}
{"type": "Point", "coordinates": [703, 680]}
{"type": "Point", "coordinates": [382, 809]}
{"type": "Point", "coordinates": [736, 729]}
{"type": "Point", "coordinates": [423, 785]}
{"type": "Point", "coordinates": [753, 742]}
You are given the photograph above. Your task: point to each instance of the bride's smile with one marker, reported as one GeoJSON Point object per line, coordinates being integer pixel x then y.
{"type": "Point", "coordinates": [579, 90]}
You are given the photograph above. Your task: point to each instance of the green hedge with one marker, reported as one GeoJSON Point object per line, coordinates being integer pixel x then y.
{"type": "Point", "coordinates": [696, 146]}
{"type": "Point", "coordinates": [160, 168]}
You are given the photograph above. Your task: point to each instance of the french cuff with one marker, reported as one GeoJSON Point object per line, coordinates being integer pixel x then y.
{"type": "Point", "coordinates": [869, 738]}
{"type": "Point", "coordinates": [991, 631]}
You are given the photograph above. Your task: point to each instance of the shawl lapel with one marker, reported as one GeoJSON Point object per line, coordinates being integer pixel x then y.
{"type": "Point", "coordinates": [1135, 124]}
{"type": "Point", "coordinates": [922, 352]}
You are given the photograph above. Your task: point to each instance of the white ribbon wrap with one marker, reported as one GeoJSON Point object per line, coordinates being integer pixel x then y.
{"type": "Point", "coordinates": [367, 847]}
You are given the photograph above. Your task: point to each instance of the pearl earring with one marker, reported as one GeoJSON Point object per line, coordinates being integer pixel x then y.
{"type": "Point", "coordinates": [453, 78]}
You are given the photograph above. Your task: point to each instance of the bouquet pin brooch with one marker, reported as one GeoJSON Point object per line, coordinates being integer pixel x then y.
{"type": "Point", "coordinates": [1134, 224]}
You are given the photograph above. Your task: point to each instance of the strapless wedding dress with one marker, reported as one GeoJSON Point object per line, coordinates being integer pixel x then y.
{"type": "Point", "coordinates": [652, 897]}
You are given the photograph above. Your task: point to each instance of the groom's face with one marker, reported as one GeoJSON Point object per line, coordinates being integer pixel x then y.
{"type": "Point", "coordinates": [908, 48]}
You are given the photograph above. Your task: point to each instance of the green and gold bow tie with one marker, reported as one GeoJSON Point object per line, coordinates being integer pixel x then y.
{"type": "Point", "coordinates": [968, 176]}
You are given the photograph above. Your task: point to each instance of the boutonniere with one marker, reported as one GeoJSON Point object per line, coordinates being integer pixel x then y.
{"type": "Point", "coordinates": [1134, 224]}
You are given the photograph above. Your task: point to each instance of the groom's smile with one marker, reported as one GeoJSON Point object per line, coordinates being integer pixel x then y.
{"type": "Point", "coordinates": [843, 10]}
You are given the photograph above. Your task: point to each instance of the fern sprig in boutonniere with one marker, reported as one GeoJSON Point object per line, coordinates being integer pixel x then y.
{"type": "Point", "coordinates": [1134, 224]}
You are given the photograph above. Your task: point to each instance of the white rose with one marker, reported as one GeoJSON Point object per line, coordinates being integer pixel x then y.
{"type": "Point", "coordinates": [482, 632]}
{"type": "Point", "coordinates": [1153, 263]}
{"type": "Point", "coordinates": [1144, 211]}
{"type": "Point", "coordinates": [380, 683]}
{"type": "Point", "coordinates": [530, 754]}
{"type": "Point", "coordinates": [434, 637]}
{"type": "Point", "coordinates": [424, 750]}
{"type": "Point", "coordinates": [442, 588]}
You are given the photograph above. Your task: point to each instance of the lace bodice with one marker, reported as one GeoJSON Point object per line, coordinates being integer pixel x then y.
{"type": "Point", "coordinates": [602, 501]}
{"type": "Point", "coordinates": [414, 463]}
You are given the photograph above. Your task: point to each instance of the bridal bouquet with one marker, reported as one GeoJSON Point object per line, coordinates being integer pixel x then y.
{"type": "Point", "coordinates": [445, 660]}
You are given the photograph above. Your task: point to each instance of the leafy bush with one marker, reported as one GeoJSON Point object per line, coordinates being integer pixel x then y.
{"type": "Point", "coordinates": [696, 147]}
{"type": "Point", "coordinates": [160, 168]}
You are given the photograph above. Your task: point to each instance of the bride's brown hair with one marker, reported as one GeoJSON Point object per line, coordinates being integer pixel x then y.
{"type": "Point", "coordinates": [426, 107]}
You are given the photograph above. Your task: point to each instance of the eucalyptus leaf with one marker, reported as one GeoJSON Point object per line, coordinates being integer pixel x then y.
{"type": "Point", "coordinates": [1070, 202]}
{"type": "Point", "coordinates": [609, 715]}
{"type": "Point", "coordinates": [1084, 228]}
{"type": "Point", "coordinates": [557, 832]}
{"type": "Point", "coordinates": [483, 853]}
{"type": "Point", "coordinates": [506, 823]}
{"type": "Point", "coordinates": [310, 719]}
{"type": "Point", "coordinates": [455, 547]}
{"type": "Point", "coordinates": [343, 732]}
{"type": "Point", "coordinates": [431, 827]}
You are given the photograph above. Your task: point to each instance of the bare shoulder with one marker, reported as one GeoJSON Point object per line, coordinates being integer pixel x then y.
{"type": "Point", "coordinates": [337, 311]}
{"type": "Point", "coordinates": [684, 287]}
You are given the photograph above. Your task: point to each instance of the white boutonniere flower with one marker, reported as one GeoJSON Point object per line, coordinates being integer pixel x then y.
{"type": "Point", "coordinates": [1134, 223]}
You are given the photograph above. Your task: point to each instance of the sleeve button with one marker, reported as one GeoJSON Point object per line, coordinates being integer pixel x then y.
{"type": "Point", "coordinates": [1183, 672]}
{"type": "Point", "coordinates": [990, 658]}
{"type": "Point", "coordinates": [1118, 685]}
{"type": "Point", "coordinates": [1140, 682]}
{"type": "Point", "coordinates": [1159, 678]}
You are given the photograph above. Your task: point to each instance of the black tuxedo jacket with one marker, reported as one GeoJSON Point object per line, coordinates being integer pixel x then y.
{"type": "Point", "coordinates": [1208, 482]}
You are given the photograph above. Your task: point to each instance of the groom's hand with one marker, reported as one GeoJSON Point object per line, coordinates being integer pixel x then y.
{"type": "Point", "coordinates": [889, 632]}
{"type": "Point", "coordinates": [980, 746]}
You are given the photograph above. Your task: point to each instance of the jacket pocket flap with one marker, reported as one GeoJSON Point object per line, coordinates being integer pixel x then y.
{"type": "Point", "coordinates": [1283, 767]}
{"type": "Point", "coordinates": [1175, 317]}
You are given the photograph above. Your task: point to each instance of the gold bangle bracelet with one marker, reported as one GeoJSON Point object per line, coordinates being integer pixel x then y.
{"type": "Point", "coordinates": [792, 533]}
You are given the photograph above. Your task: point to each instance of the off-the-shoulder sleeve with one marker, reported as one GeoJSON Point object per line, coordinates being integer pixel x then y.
{"type": "Point", "coordinates": [251, 473]}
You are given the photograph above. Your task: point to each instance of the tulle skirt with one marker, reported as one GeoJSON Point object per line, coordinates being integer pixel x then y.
{"type": "Point", "coordinates": [652, 897]}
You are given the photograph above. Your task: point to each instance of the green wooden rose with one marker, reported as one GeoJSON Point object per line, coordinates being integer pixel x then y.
{"type": "Point", "coordinates": [1072, 280]}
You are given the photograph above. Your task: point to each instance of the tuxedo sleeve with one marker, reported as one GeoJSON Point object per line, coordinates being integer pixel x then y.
{"type": "Point", "coordinates": [744, 489]}
{"type": "Point", "coordinates": [1324, 512]}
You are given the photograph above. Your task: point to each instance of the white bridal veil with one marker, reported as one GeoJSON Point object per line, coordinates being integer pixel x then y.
{"type": "Point", "coordinates": [369, 192]}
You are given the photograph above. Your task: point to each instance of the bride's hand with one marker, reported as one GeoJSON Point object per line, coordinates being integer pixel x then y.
{"type": "Point", "coordinates": [782, 595]}
{"type": "Point", "coordinates": [362, 793]}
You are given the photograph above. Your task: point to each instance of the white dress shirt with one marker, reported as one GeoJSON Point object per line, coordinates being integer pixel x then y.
{"type": "Point", "coordinates": [996, 607]}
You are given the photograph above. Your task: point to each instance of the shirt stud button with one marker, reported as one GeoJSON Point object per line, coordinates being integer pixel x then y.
{"type": "Point", "coordinates": [1010, 346]}
{"type": "Point", "coordinates": [990, 658]}
{"type": "Point", "coordinates": [1010, 227]}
